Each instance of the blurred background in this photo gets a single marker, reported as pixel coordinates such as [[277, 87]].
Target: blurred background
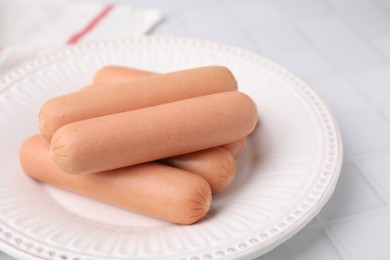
[[341, 48]]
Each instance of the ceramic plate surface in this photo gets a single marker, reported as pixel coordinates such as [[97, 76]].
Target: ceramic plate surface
[[285, 176]]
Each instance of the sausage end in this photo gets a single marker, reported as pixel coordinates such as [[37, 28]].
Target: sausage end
[[198, 202], [64, 150]]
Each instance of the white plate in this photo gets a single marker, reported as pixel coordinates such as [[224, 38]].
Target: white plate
[[285, 176]]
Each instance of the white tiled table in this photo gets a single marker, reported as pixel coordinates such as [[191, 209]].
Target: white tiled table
[[341, 48]]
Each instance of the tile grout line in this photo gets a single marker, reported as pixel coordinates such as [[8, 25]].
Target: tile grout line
[[361, 37], [241, 27], [373, 182], [337, 243]]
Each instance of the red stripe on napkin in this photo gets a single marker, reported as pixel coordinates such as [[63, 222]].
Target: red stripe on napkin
[[92, 24]]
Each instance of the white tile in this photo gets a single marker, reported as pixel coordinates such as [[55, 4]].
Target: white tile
[[278, 37], [170, 26], [386, 113], [353, 195], [350, 57], [364, 132], [3, 256], [254, 12], [233, 37], [378, 168], [307, 244], [385, 3], [161, 5], [329, 29], [338, 94], [182, 6], [383, 44], [366, 237], [314, 223], [300, 9], [348, 5], [369, 21], [211, 20], [304, 62], [374, 85]]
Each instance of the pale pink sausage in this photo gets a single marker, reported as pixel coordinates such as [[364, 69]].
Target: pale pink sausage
[[131, 95], [216, 165], [152, 189], [236, 147], [153, 133], [118, 74]]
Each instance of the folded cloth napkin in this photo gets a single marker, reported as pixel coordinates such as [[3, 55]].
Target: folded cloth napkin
[[31, 27]]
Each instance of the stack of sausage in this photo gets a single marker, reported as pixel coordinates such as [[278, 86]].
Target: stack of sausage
[[155, 144]]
